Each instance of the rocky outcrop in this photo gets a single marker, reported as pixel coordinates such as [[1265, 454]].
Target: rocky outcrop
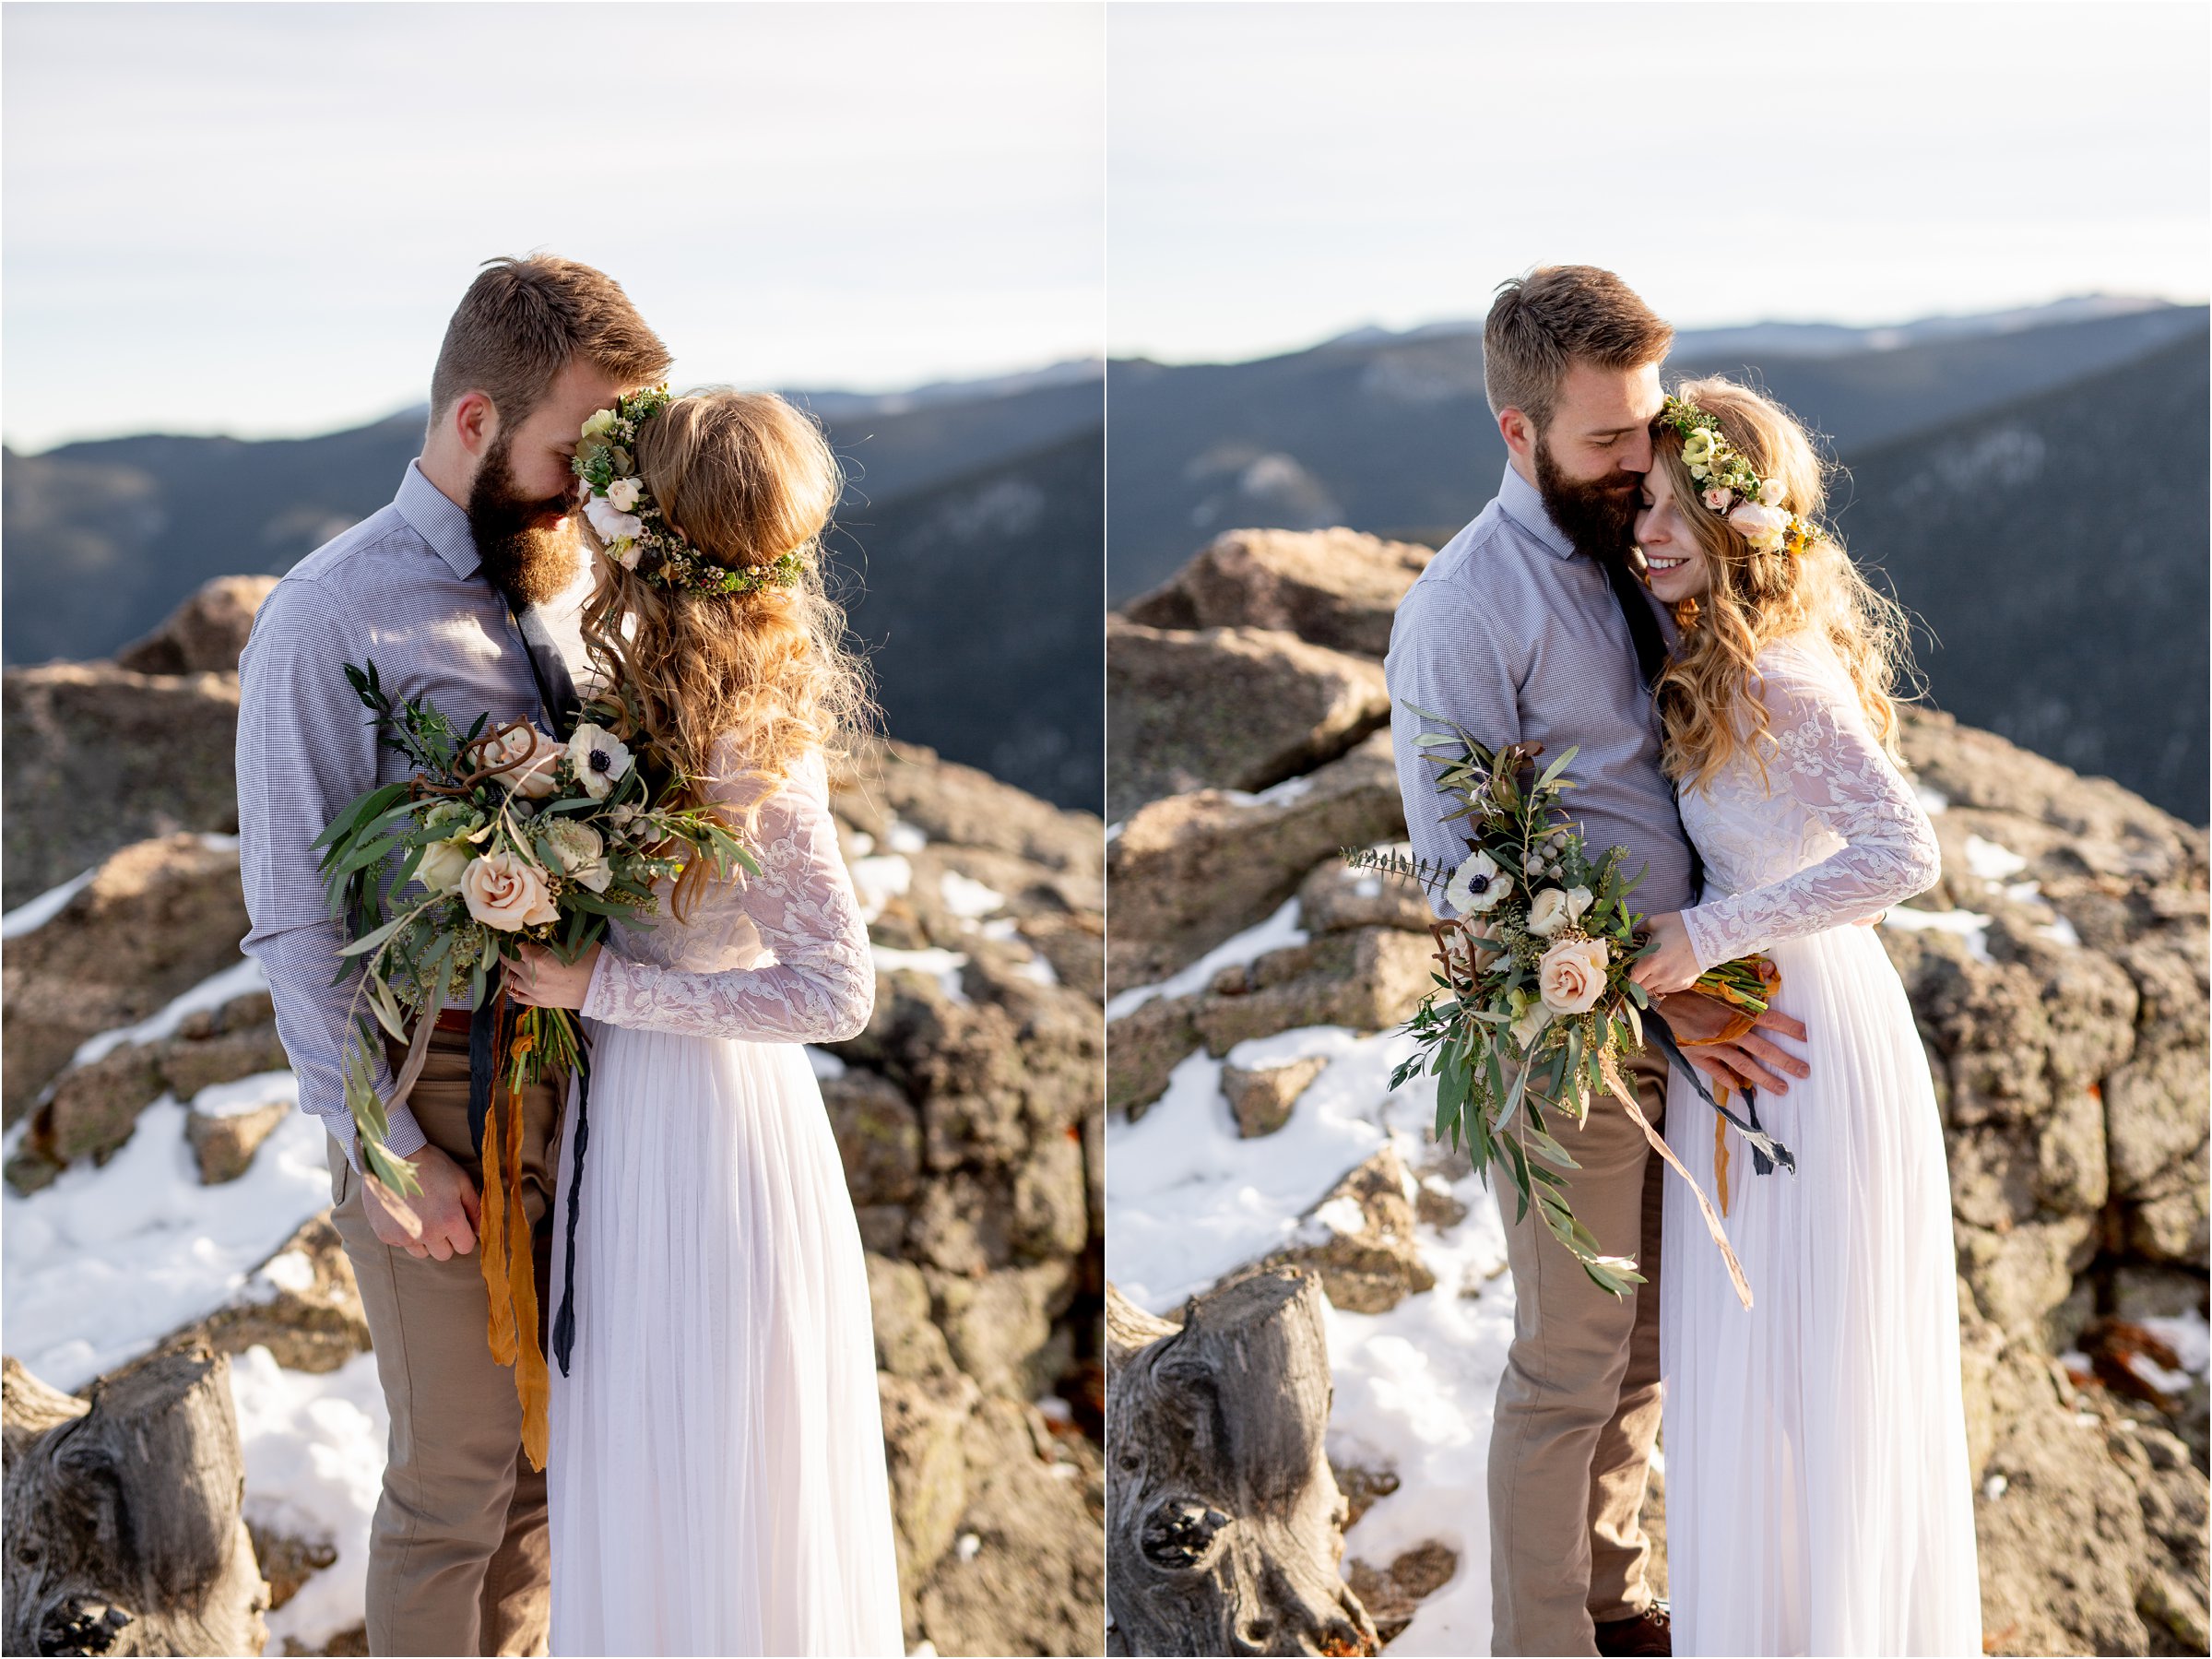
[[1338, 588], [205, 635], [968, 1114], [1229, 708], [2062, 998]]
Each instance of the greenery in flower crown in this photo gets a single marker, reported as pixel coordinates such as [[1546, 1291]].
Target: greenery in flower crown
[[1731, 486], [637, 534]]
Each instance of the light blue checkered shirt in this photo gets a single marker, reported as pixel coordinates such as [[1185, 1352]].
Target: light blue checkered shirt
[[1517, 637], [403, 587]]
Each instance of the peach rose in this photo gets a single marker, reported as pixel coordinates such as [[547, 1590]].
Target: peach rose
[[1571, 977], [507, 893], [524, 758]]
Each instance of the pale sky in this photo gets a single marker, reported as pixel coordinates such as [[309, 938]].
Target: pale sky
[[1284, 173], [257, 218]]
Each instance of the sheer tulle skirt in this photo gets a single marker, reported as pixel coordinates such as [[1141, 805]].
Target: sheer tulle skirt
[[1818, 1497], [716, 1470]]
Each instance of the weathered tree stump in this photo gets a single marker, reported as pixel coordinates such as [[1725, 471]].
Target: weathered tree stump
[[122, 1511], [1224, 1523]]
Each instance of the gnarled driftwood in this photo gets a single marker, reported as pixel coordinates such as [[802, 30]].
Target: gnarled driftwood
[[1224, 1523], [121, 1511]]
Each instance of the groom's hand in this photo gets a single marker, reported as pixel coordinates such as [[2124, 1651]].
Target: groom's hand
[[1751, 1061], [439, 1222]]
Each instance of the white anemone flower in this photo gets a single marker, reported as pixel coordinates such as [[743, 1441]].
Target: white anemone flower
[[1477, 884], [599, 757]]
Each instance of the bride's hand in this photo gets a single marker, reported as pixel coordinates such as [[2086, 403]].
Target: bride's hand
[[1673, 966], [543, 981]]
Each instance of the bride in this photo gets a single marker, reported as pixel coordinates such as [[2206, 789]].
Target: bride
[[1818, 1494], [716, 1471]]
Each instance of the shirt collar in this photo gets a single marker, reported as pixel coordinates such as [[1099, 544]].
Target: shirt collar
[[439, 521], [1524, 504]]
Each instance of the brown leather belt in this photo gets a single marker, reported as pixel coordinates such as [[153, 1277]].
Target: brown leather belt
[[453, 1019]]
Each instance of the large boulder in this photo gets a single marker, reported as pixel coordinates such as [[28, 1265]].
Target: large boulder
[[204, 635], [1231, 708], [1191, 871], [157, 918], [1337, 588]]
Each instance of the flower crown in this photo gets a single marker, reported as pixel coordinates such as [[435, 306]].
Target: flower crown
[[1752, 505], [638, 535]]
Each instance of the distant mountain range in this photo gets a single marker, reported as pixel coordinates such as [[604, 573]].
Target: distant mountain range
[[979, 491], [1391, 433]]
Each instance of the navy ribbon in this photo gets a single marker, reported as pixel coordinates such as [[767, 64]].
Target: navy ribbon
[[1766, 1150]]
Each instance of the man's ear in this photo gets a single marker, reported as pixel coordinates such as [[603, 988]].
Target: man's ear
[[475, 421], [1518, 431]]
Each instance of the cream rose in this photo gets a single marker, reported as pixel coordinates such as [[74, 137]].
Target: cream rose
[[600, 424], [1525, 1029], [612, 524], [523, 759], [623, 493], [1719, 499], [1578, 900], [507, 893], [1762, 527], [1771, 492], [1547, 912], [1571, 977], [443, 864], [580, 852]]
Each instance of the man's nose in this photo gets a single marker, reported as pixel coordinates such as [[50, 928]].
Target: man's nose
[[1639, 458]]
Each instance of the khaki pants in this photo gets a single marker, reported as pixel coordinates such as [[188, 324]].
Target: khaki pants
[[1577, 1409], [458, 1556]]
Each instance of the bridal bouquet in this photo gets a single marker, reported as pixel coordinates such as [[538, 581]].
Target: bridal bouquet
[[1533, 1007], [501, 835]]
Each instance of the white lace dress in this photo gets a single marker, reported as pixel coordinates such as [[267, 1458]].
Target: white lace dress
[[716, 1468], [1818, 1497]]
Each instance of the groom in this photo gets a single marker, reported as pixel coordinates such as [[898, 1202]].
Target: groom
[[472, 572], [1531, 626]]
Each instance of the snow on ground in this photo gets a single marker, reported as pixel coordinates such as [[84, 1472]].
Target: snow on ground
[[1413, 1387], [240, 978], [1279, 930], [935, 962], [107, 1259], [314, 1457], [1969, 925], [36, 913]]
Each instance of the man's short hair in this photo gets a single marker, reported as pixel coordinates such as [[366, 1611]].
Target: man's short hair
[[1554, 316], [520, 323]]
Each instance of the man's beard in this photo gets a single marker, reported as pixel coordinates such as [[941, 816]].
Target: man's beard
[[522, 554], [1597, 517]]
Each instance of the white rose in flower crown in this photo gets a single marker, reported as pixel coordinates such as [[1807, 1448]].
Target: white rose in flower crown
[[600, 424], [1771, 492], [599, 757], [524, 761], [1762, 527], [1571, 977], [507, 893], [580, 852], [443, 864], [611, 523], [1547, 912], [623, 493], [1477, 884]]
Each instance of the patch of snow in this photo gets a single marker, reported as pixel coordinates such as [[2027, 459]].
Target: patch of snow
[[1369, 885], [1055, 1408], [1931, 800], [1112, 833], [968, 898], [290, 1271], [240, 977], [246, 1095], [33, 914], [109, 1259], [1274, 795], [1341, 1217], [1969, 925], [941, 964], [219, 842], [879, 879], [1279, 930], [314, 1457], [968, 1546], [2188, 1336], [904, 837], [2060, 931], [2157, 1376], [826, 1065], [1002, 929], [1991, 861], [1993, 1487], [1038, 970]]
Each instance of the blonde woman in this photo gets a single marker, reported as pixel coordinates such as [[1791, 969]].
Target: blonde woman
[[1818, 1497], [716, 1467]]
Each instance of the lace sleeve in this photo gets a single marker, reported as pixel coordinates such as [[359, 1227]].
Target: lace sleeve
[[821, 986], [1829, 760]]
